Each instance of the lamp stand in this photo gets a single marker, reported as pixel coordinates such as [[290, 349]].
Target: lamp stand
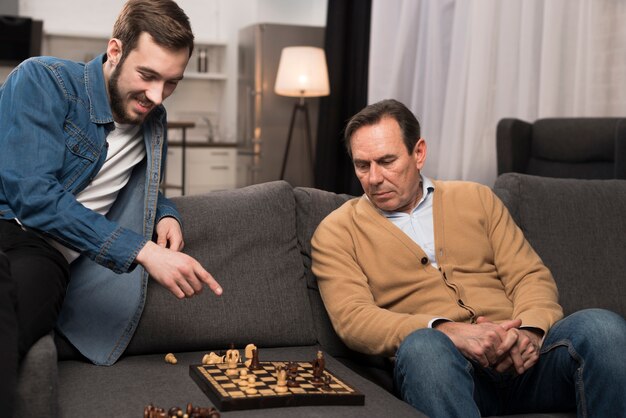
[[299, 106]]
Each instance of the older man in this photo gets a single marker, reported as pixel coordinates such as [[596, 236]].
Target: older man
[[438, 275]]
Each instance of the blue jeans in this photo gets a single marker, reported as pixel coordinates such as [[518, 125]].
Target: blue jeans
[[581, 367]]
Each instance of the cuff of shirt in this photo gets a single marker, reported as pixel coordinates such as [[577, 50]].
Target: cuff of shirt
[[434, 321]]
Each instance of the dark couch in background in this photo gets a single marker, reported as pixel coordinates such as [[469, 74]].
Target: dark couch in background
[[255, 241], [583, 148]]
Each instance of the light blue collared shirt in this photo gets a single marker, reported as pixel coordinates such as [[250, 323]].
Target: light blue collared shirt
[[419, 225]]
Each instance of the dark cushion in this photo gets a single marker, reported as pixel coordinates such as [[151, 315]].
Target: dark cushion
[[246, 238], [578, 228], [574, 139], [37, 386], [312, 206]]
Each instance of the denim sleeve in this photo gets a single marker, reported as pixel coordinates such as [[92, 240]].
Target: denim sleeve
[[165, 207], [34, 102]]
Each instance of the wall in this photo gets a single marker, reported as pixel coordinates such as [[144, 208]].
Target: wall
[[211, 20], [8, 7]]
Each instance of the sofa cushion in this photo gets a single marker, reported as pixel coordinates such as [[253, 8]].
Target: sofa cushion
[[312, 206], [578, 228], [37, 386], [246, 238]]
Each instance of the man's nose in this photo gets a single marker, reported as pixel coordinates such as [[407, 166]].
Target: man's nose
[[375, 174], [155, 93]]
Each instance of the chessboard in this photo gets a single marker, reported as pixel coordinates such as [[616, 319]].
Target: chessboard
[[226, 392]]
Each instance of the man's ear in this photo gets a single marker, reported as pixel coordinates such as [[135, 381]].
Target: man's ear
[[114, 51], [419, 152]]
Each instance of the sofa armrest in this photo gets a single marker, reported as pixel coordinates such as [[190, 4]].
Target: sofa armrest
[[37, 384], [513, 145], [620, 150]]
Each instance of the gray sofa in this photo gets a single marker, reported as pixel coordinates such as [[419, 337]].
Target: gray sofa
[[255, 241]]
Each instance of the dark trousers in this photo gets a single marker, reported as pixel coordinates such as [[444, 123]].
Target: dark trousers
[[33, 279]]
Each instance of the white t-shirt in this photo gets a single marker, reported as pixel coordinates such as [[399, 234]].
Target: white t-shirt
[[126, 150]]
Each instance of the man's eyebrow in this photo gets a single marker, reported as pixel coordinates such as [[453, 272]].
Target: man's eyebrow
[[379, 159], [150, 71]]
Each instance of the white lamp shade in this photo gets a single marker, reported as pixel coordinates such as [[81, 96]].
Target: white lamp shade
[[302, 72]]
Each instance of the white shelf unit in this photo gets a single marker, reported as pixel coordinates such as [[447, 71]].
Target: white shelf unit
[[206, 169]]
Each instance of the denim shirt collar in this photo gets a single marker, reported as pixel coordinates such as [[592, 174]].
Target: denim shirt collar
[[99, 108]]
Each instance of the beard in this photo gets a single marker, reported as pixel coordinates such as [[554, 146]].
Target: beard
[[117, 101]]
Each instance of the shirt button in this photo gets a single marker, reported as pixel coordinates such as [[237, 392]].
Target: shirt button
[[424, 260]]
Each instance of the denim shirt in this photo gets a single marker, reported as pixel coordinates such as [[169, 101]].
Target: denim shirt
[[54, 120]]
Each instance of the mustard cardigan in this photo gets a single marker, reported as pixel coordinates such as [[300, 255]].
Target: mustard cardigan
[[378, 285]]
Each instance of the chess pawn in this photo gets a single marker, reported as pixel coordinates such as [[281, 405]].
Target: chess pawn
[[281, 380], [251, 383], [243, 378]]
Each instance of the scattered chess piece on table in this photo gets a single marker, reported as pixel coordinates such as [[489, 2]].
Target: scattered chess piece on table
[[150, 411], [170, 358], [198, 412], [212, 358]]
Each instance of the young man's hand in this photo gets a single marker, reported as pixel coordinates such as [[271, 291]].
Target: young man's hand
[[169, 234], [177, 272]]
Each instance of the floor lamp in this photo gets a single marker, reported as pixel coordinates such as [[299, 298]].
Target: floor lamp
[[302, 72]]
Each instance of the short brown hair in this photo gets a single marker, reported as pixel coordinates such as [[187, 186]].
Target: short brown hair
[[374, 113], [163, 20]]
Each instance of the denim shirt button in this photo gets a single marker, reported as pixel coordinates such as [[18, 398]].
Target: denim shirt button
[[75, 148]]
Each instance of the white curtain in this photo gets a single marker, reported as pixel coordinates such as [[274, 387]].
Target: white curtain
[[462, 65]]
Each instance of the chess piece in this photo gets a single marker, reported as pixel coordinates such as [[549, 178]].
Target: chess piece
[[281, 380], [251, 385], [232, 358], [292, 374], [248, 354], [175, 412], [243, 377], [319, 364], [198, 412], [212, 358], [254, 363], [170, 358], [327, 380]]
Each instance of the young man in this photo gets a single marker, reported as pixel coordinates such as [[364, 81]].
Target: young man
[[438, 275], [83, 146]]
